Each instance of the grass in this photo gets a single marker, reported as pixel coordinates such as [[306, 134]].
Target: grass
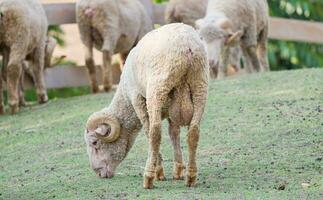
[[262, 138]]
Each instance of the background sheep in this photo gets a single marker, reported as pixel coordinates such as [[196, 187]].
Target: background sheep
[[232, 22], [27, 68], [111, 26], [167, 81], [23, 26], [188, 11]]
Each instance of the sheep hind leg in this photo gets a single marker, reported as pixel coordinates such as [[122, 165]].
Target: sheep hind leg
[[1, 94], [37, 61], [13, 74], [262, 51], [22, 101], [90, 65], [123, 58], [179, 167], [3, 74], [160, 175], [107, 71]]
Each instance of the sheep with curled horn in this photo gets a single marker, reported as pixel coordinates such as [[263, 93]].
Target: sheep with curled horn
[[165, 77]]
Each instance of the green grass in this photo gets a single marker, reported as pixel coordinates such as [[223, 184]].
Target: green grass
[[261, 138]]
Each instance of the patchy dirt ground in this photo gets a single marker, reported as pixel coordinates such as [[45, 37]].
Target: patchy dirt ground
[[262, 138]]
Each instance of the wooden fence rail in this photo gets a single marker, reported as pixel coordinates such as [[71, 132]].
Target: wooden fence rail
[[64, 13]]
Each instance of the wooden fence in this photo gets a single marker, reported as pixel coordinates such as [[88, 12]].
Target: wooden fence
[[64, 13]]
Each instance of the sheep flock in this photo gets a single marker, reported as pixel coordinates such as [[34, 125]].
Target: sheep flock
[[165, 71]]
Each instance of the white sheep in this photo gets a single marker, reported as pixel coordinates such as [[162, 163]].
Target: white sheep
[[111, 26], [165, 76], [232, 22], [187, 12], [27, 67], [23, 29]]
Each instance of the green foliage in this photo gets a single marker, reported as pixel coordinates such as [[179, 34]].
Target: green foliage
[[294, 55], [58, 33], [261, 138]]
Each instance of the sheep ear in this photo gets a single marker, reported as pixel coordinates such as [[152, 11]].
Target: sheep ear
[[234, 38], [224, 24], [198, 23], [103, 130]]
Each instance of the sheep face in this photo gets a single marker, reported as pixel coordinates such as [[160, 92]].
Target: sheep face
[[101, 156], [105, 148], [218, 36]]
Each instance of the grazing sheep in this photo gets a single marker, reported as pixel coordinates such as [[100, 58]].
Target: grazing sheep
[[232, 22], [27, 69], [111, 26], [165, 76], [23, 26], [187, 12]]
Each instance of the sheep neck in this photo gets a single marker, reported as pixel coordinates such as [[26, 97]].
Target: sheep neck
[[122, 108]]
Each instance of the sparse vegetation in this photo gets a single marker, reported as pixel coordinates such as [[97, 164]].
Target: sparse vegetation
[[261, 138]]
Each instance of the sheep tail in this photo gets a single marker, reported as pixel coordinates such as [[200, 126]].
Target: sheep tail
[[89, 12]]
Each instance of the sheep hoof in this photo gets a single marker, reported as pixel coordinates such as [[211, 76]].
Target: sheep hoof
[[42, 98], [95, 90], [160, 176], [178, 173], [148, 182], [190, 181], [107, 88], [14, 108]]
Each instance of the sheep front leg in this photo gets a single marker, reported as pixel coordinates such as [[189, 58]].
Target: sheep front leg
[[179, 167], [251, 52], [140, 107], [1, 95], [224, 62], [38, 69], [90, 65], [262, 50], [3, 74], [107, 71], [13, 74]]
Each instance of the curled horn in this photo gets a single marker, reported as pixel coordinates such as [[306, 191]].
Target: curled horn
[[105, 126]]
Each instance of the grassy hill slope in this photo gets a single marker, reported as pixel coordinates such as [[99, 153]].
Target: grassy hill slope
[[262, 138]]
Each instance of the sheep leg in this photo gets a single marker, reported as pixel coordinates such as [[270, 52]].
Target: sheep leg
[[140, 107], [90, 65], [155, 101], [198, 86], [107, 71], [160, 175], [3, 74], [224, 62], [13, 74], [37, 63], [246, 61], [1, 95], [22, 101], [262, 51], [123, 57], [252, 54], [179, 167]]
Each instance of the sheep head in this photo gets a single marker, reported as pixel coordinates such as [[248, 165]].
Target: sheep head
[[105, 148], [218, 36]]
